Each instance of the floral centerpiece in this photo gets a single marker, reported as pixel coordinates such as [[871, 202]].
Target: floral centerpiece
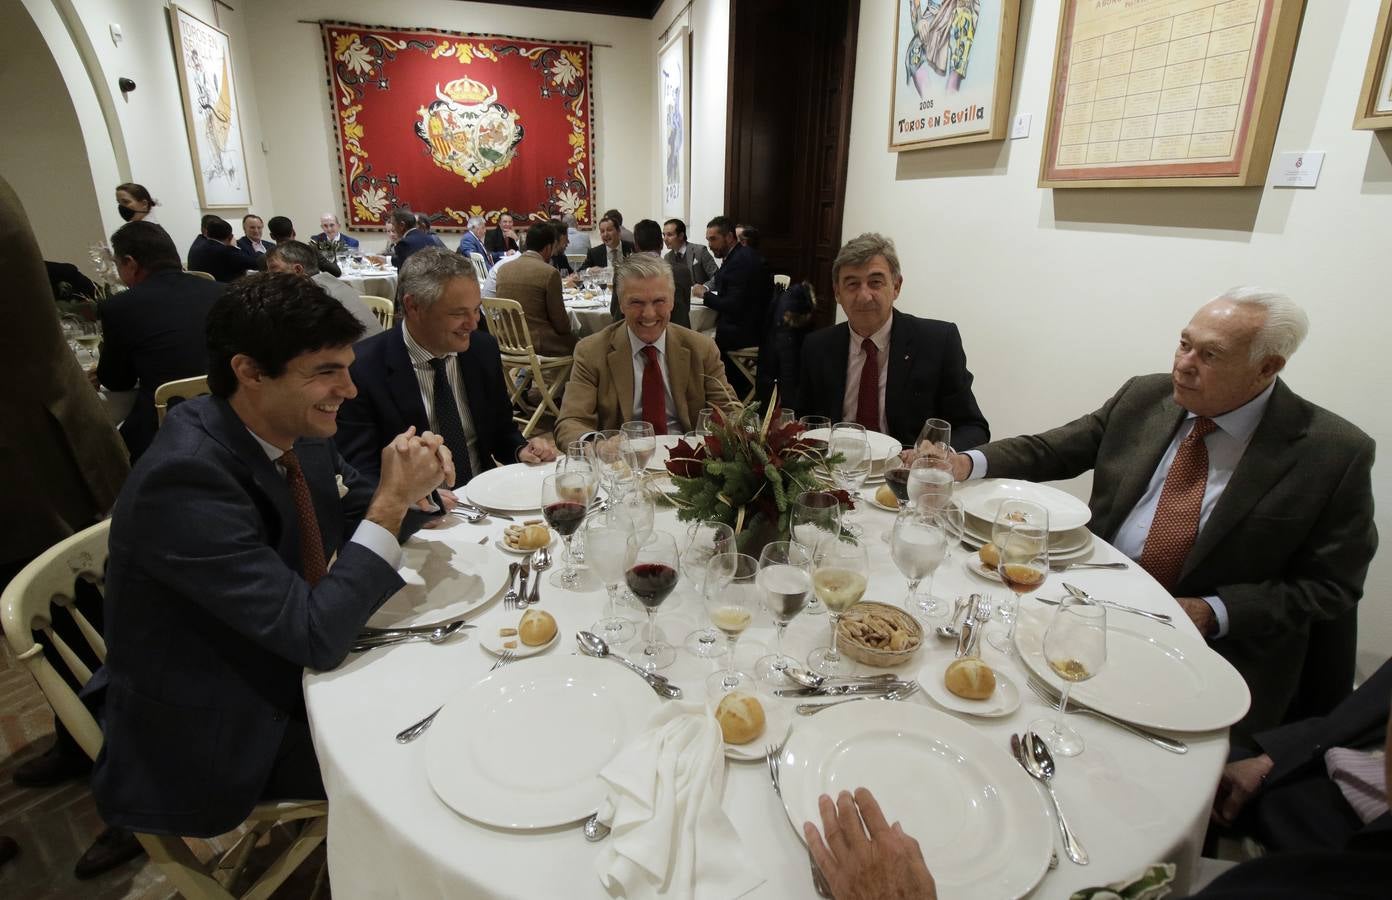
[[747, 473]]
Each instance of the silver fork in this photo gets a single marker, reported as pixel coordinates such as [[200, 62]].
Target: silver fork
[[772, 754], [510, 598], [1046, 693], [407, 735], [908, 690]]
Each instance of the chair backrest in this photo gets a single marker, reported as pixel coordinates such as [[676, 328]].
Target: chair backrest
[[200, 274], [172, 392], [480, 267], [27, 605], [508, 326], [782, 282], [382, 308]]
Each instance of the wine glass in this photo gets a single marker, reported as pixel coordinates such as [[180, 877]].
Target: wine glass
[[918, 544], [896, 478], [819, 424], [640, 441], [565, 500], [931, 477], [731, 596], [1021, 535], [848, 441], [635, 511], [785, 581], [954, 519], [815, 519], [935, 434], [785, 417], [703, 421], [840, 572], [1075, 646], [651, 574], [703, 541], [606, 546], [612, 458]]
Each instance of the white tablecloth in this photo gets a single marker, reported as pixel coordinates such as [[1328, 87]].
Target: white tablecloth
[[1131, 803], [377, 283]]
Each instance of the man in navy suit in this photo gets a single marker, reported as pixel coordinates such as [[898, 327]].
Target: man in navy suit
[[250, 241], [741, 292], [472, 241], [331, 233], [409, 238], [218, 591], [221, 258], [435, 370]]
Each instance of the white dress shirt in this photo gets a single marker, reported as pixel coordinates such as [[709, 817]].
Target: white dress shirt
[[425, 379], [490, 284], [1225, 445], [369, 534], [640, 364], [855, 364]]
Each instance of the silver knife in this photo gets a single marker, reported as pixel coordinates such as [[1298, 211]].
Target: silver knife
[[1084, 595], [373, 634], [526, 570], [835, 690]]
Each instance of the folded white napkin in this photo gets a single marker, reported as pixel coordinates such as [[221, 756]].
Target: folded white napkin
[[671, 838]]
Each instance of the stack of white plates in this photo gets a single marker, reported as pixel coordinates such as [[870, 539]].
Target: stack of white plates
[[1069, 538]]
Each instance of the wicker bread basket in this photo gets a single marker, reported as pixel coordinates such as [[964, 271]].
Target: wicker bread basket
[[880, 619]]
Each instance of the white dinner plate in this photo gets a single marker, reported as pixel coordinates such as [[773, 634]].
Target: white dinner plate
[[982, 499], [514, 488], [1070, 541], [869, 497], [1076, 554], [777, 715], [523, 746], [1003, 702], [665, 443], [491, 641], [445, 580], [883, 448], [1168, 680], [502, 545], [975, 813]]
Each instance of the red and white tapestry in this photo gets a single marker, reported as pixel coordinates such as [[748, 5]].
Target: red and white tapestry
[[455, 125]]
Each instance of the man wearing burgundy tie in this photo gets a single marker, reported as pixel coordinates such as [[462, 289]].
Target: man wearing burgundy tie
[[643, 367], [219, 590], [1252, 506], [886, 369]]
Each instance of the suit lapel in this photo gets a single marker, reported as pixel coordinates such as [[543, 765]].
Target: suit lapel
[[901, 352], [679, 371], [228, 429], [621, 370], [840, 353], [402, 383]]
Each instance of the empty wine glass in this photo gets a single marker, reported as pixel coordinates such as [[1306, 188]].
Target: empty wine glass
[[651, 574], [840, 573], [565, 500], [849, 443], [1020, 533], [785, 417], [703, 421], [641, 442], [935, 434], [703, 541], [785, 580], [613, 459], [931, 477], [816, 431], [606, 547], [635, 509], [1075, 647], [814, 519], [731, 596], [918, 545]]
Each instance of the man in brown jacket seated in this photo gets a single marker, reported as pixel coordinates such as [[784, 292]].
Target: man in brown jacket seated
[[535, 283], [643, 367]]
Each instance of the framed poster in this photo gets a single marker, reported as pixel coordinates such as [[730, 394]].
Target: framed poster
[[674, 98], [203, 57], [953, 61], [1375, 101], [1161, 93]]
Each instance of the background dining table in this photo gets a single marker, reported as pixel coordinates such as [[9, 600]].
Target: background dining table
[[1131, 803], [372, 281], [591, 314]]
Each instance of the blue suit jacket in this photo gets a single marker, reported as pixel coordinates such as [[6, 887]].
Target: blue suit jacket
[[741, 292], [389, 401], [209, 624], [410, 242], [348, 241], [471, 244], [247, 247]]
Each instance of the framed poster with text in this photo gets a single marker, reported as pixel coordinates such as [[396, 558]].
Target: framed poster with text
[[211, 113], [1162, 93], [674, 99], [1375, 101], [953, 61]]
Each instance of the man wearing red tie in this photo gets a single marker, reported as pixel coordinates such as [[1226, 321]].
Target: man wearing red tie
[[642, 367], [1252, 506]]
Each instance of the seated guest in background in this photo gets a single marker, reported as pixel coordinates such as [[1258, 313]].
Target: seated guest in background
[[331, 233], [616, 217], [647, 240], [781, 356], [220, 257], [152, 333], [533, 282], [1249, 504], [503, 239], [408, 237], [747, 235], [490, 282], [558, 253], [133, 202], [423, 223], [282, 229], [697, 258], [218, 593], [611, 248], [888, 370], [295, 258], [202, 236], [579, 241], [472, 241], [642, 368], [741, 292], [250, 241], [435, 371]]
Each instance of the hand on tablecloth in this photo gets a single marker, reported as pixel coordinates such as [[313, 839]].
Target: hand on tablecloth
[[1240, 783], [869, 860]]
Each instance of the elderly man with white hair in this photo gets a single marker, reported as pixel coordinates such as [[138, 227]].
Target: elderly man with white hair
[[331, 233], [1249, 504], [472, 241]]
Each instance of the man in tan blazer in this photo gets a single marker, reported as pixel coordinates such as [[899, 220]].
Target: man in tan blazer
[[532, 281], [630, 369]]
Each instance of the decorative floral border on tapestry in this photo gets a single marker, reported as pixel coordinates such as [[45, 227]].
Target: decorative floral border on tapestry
[[456, 125]]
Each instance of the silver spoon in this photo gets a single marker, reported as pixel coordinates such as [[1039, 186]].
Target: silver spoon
[[1043, 769], [541, 559], [808, 678], [595, 830], [592, 644]]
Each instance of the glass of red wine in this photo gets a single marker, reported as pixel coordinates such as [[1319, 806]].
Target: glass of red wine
[[897, 480], [565, 499], [651, 574]]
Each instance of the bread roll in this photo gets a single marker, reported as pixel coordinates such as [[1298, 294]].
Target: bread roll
[[990, 556], [741, 718], [536, 628], [885, 497], [970, 678]]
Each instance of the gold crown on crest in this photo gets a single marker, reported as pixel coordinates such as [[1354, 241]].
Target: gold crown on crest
[[468, 91]]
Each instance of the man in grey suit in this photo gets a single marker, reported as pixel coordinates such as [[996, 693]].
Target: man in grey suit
[[1251, 505], [697, 258]]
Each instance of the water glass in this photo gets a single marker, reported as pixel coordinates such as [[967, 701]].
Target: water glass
[[731, 596], [785, 581], [703, 541]]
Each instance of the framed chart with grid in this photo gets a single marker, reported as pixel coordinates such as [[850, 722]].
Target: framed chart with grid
[[1160, 93]]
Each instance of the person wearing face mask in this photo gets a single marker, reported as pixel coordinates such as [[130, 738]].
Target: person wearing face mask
[[134, 203]]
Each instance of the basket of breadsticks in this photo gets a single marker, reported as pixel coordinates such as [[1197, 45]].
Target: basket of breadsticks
[[879, 635]]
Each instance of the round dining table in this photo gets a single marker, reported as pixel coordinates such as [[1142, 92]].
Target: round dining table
[[1131, 803], [591, 314], [371, 281]]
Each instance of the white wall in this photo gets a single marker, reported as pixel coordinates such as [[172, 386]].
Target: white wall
[[1062, 294], [291, 80]]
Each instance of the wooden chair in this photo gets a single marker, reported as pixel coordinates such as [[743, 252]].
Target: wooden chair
[[172, 392], [522, 367], [200, 274], [480, 267], [382, 308], [27, 606], [746, 360], [782, 282]]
